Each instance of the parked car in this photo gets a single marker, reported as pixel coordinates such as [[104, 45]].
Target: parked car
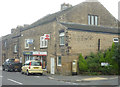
[[12, 65], [32, 67]]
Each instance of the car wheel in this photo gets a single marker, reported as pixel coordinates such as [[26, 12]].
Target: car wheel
[[13, 70], [19, 70], [8, 69], [22, 72], [41, 74], [27, 73]]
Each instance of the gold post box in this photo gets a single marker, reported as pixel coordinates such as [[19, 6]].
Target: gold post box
[[74, 67]]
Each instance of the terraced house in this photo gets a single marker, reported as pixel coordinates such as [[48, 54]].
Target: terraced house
[[58, 39]]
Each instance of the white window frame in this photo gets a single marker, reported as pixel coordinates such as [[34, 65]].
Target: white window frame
[[92, 19], [26, 42], [62, 37], [15, 48], [96, 20], [43, 42], [5, 44], [58, 61], [115, 41], [89, 20]]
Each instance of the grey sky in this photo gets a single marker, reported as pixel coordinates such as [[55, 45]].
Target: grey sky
[[20, 12]]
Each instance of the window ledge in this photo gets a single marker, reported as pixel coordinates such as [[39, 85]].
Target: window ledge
[[26, 48], [42, 47], [62, 44], [59, 65], [15, 52]]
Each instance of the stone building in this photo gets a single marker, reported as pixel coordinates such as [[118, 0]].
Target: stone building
[[58, 39]]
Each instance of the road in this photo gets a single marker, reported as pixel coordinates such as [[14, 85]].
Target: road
[[16, 78]]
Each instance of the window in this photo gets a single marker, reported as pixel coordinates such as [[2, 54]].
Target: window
[[43, 42], [96, 20], [116, 40], [62, 38], [59, 61], [92, 20], [27, 62], [15, 48], [98, 44], [5, 43], [89, 20], [26, 43]]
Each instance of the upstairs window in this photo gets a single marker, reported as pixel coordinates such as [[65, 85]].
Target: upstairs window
[[43, 42], [92, 20], [26, 43], [115, 40], [15, 48], [62, 38], [5, 44]]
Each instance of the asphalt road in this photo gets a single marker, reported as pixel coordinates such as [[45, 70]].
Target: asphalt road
[[16, 78]]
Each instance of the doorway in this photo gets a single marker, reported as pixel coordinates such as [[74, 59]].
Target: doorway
[[52, 66]]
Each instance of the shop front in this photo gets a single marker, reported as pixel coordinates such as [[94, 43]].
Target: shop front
[[36, 55]]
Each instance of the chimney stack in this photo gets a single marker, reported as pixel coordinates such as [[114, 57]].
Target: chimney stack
[[65, 6], [12, 30]]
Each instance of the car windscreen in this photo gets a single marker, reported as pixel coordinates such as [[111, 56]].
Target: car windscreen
[[11, 60], [35, 63]]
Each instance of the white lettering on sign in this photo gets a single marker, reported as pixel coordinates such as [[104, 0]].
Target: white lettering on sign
[[35, 52], [43, 53], [104, 64], [39, 53]]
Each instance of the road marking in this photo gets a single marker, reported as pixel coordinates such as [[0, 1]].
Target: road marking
[[15, 81], [37, 76], [51, 78], [74, 83], [68, 82]]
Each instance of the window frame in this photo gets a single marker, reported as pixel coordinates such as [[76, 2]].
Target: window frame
[[15, 48], [62, 38], [26, 43], [92, 20], [43, 42], [89, 19], [5, 44], [58, 61], [96, 18]]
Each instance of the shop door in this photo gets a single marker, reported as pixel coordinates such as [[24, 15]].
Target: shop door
[[52, 66]]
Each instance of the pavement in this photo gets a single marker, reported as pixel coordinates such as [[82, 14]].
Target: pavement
[[87, 80]]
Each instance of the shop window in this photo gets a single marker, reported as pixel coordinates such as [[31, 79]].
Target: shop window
[[43, 42], [15, 48], [26, 43], [59, 61], [62, 38], [115, 40]]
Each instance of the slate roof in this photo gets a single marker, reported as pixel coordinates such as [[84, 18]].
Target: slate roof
[[46, 19], [90, 28], [52, 17]]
